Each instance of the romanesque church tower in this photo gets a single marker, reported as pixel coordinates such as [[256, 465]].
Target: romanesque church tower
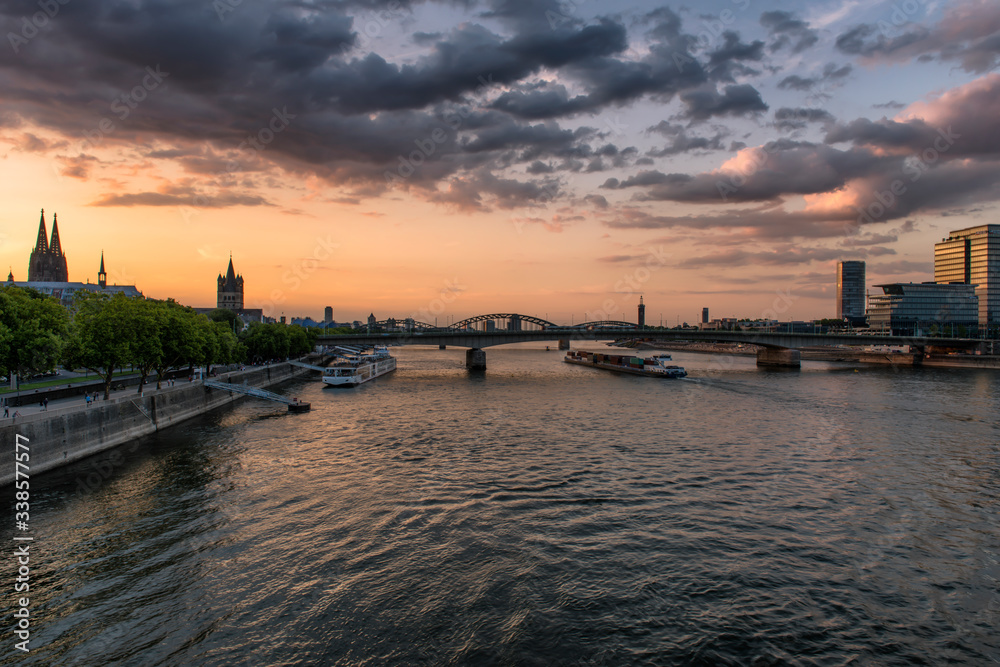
[[230, 289]]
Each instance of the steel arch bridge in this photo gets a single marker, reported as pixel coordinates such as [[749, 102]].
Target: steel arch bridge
[[605, 324], [402, 324], [466, 323]]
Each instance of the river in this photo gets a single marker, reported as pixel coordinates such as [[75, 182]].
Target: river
[[538, 514]]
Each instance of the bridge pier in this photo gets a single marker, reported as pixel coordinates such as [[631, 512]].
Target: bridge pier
[[779, 357], [564, 344], [475, 359]]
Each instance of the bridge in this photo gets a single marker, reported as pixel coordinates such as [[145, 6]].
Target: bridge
[[778, 348]]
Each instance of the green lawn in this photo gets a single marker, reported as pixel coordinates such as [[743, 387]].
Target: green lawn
[[90, 377]]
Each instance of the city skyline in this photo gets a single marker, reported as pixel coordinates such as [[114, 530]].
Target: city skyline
[[732, 165]]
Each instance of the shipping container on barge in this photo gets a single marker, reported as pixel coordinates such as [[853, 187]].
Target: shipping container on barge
[[654, 366]]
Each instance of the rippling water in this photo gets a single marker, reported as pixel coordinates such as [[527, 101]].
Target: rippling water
[[539, 514]]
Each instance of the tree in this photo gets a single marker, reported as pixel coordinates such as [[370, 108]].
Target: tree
[[266, 341], [102, 339], [33, 329], [228, 316], [180, 338], [147, 351]]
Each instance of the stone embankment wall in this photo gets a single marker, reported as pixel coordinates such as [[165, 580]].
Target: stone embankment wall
[[58, 437]]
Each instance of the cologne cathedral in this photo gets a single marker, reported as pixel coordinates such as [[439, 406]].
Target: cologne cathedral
[[48, 263]]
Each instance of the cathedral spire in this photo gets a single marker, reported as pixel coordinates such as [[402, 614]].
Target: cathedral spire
[[55, 247], [42, 244], [230, 272]]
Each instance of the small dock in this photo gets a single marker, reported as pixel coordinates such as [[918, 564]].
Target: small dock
[[294, 404]]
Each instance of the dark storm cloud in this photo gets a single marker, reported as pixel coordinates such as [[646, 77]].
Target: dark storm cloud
[[831, 74], [968, 32], [668, 68], [736, 100], [788, 119], [785, 29]]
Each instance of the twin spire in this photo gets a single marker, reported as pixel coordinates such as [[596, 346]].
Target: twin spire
[[53, 246]]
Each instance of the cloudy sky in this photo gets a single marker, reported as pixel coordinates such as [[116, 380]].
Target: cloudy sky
[[469, 156]]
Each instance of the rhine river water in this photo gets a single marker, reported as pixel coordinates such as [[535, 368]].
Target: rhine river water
[[538, 514]]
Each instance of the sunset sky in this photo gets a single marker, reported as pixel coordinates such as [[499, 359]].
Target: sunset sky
[[455, 158]]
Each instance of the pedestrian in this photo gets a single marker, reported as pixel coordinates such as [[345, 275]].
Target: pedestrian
[[88, 400], [6, 410], [46, 401]]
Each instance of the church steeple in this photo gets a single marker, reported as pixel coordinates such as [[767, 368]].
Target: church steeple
[[102, 277], [55, 247], [10, 276], [42, 244]]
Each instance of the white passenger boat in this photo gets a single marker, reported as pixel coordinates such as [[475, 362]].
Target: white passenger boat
[[350, 370]]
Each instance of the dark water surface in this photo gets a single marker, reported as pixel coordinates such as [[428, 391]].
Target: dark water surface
[[538, 514]]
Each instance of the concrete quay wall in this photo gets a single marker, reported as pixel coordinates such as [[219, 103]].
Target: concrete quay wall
[[59, 437]]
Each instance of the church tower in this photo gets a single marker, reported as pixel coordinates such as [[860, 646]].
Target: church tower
[[230, 289], [47, 262], [102, 276]]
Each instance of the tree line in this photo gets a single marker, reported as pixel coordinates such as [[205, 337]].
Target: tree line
[[106, 333]]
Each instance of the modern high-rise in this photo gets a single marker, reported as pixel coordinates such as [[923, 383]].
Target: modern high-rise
[[642, 313], [921, 309], [972, 257], [850, 290], [704, 315], [328, 314]]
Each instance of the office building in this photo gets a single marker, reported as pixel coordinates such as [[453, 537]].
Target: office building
[[850, 290], [922, 309], [704, 315], [328, 314], [972, 257]]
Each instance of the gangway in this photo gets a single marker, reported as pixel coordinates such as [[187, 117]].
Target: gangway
[[294, 404], [302, 364]]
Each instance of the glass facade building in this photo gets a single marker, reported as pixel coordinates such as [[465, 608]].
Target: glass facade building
[[972, 257], [921, 309], [850, 290]]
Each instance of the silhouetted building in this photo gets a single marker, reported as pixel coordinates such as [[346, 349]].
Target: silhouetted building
[[972, 257], [919, 309], [230, 294], [704, 315], [328, 314], [642, 313], [48, 274], [851, 290], [47, 262]]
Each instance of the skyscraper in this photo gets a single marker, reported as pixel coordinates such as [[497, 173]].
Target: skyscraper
[[972, 256], [642, 313], [850, 290], [328, 314]]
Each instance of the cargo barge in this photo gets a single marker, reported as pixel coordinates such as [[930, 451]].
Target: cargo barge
[[654, 366]]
